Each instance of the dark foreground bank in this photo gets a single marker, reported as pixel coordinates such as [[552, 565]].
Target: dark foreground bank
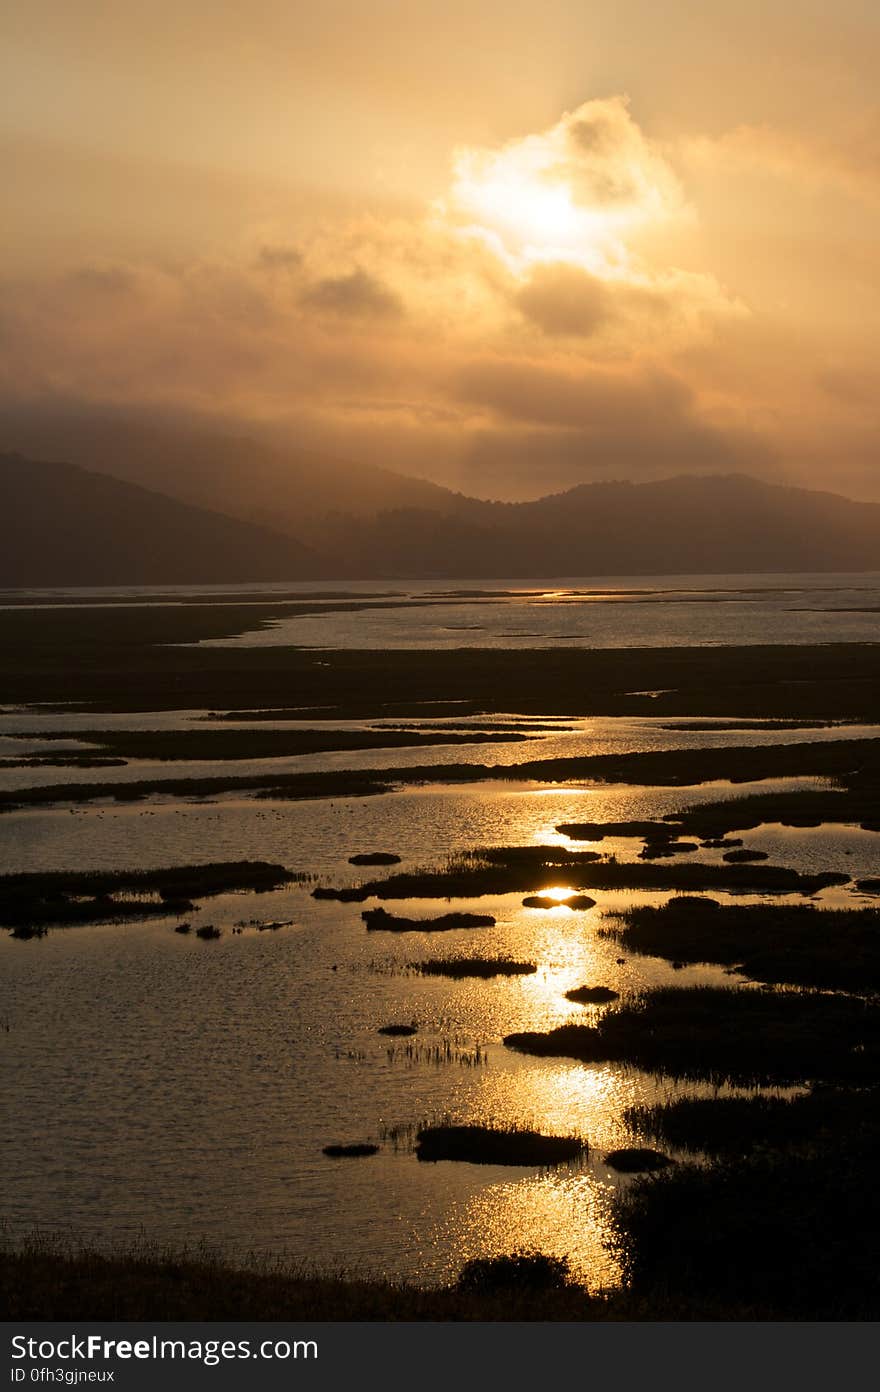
[[783, 1225], [88, 1285]]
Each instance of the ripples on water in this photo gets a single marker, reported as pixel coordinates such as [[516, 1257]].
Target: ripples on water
[[619, 612], [186, 1088]]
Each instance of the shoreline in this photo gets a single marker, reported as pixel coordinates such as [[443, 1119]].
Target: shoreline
[[45, 1282]]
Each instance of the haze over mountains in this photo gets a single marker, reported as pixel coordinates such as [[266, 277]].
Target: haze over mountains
[[221, 468], [159, 505], [67, 526], [683, 525]]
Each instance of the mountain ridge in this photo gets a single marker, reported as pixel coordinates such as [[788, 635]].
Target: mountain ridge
[[75, 526], [215, 466], [688, 524]]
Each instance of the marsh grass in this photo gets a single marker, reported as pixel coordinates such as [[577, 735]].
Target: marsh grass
[[201, 744], [725, 1034], [795, 944], [530, 1272], [271, 786], [511, 869], [62, 760], [153, 658], [792, 1231], [378, 920], [592, 995], [263, 925], [855, 764], [854, 800], [487, 1145], [637, 1160], [443, 1054], [731, 1126], [356, 1151], [49, 1279], [545, 901], [597, 831], [709, 726], [62, 897], [484, 967], [57, 1281]]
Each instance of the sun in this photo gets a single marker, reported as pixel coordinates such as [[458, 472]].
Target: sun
[[537, 214], [527, 209]]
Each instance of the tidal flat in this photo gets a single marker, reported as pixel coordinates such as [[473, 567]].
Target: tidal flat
[[629, 750]]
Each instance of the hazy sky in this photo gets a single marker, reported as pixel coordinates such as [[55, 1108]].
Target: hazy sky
[[507, 244]]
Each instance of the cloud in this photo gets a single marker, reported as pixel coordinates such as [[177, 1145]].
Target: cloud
[[849, 166], [520, 464], [565, 300], [278, 257], [610, 163], [640, 312], [857, 387], [107, 280], [358, 294], [588, 399], [574, 192], [567, 213], [522, 319]]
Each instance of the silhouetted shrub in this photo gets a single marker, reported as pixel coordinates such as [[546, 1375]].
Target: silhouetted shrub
[[637, 1160], [520, 1271], [350, 1152]]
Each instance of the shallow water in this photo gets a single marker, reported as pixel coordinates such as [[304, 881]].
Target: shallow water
[[578, 738], [186, 1088], [603, 611], [620, 612]]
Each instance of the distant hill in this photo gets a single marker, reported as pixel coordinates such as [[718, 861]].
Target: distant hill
[[63, 525], [243, 475], [690, 524], [72, 526]]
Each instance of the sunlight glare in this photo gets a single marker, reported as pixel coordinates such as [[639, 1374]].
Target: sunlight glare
[[529, 213]]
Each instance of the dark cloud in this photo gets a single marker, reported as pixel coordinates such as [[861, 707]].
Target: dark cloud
[[562, 299], [538, 394], [598, 132], [107, 280], [610, 162], [549, 428], [277, 257], [852, 388], [519, 464], [359, 295], [565, 301]]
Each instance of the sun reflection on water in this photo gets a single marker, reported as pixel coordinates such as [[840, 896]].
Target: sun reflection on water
[[562, 1214], [299, 1029], [561, 893], [566, 1212]]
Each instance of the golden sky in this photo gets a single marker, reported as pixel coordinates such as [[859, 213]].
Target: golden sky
[[511, 246]]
